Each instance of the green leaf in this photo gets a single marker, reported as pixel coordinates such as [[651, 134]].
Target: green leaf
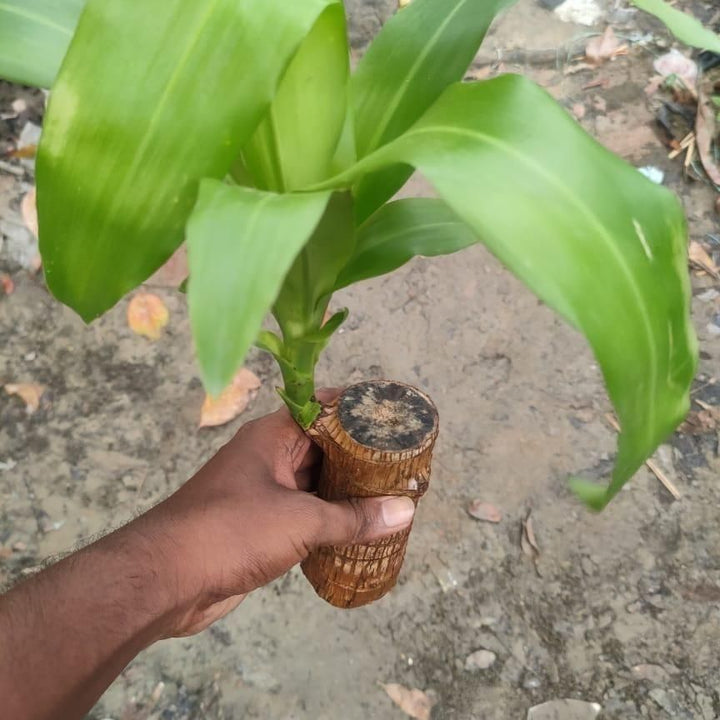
[[419, 52], [685, 27], [295, 144], [144, 107], [301, 306], [34, 37], [588, 233], [402, 230], [241, 244]]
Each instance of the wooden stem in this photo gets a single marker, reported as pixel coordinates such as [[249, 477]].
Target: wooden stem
[[377, 439]]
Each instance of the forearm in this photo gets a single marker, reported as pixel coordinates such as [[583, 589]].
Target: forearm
[[66, 634]]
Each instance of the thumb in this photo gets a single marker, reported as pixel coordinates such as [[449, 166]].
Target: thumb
[[362, 520]]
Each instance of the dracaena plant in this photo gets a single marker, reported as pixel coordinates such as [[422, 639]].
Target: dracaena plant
[[237, 125]]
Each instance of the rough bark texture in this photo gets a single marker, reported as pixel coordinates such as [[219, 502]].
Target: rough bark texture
[[377, 439]]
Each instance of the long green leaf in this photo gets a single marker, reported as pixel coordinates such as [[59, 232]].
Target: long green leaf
[[685, 27], [295, 144], [147, 103], [241, 244], [34, 37], [402, 230], [593, 238], [419, 52]]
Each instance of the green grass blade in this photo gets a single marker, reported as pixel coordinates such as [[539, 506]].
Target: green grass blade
[[148, 103], [34, 37], [241, 244], [402, 230], [588, 233], [685, 27]]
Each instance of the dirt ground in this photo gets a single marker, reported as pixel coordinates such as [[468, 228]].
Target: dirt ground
[[623, 608]]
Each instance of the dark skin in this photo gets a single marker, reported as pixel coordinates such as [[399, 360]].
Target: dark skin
[[242, 521]]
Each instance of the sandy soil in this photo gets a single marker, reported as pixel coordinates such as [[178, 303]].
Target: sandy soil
[[623, 608]]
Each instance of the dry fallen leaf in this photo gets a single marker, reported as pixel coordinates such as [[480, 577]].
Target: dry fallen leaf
[[30, 393], [528, 543], [147, 315], [484, 511], [232, 401], [675, 64], [604, 47], [701, 258], [28, 208], [414, 703], [26, 152], [7, 284]]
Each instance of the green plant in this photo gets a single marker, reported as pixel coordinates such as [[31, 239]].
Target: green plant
[[238, 125], [685, 27]]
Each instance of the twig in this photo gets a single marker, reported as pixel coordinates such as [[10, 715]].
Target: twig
[[686, 142], [651, 465]]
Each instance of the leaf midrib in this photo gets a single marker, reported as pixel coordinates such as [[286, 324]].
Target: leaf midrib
[[145, 143], [35, 17], [395, 103]]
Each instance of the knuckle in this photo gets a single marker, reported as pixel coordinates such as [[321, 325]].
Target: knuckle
[[363, 518]]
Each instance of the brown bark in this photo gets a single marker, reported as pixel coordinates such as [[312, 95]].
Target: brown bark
[[377, 439]]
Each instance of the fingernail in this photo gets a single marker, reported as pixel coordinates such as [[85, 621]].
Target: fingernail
[[397, 511]]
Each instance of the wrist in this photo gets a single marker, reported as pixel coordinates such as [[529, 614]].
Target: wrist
[[157, 570]]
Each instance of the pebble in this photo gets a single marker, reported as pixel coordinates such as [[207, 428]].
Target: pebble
[[655, 674], [564, 710], [480, 660]]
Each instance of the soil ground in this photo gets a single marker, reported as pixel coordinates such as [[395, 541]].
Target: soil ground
[[623, 608]]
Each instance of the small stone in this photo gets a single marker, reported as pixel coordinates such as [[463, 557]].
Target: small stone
[[19, 106], [131, 483], [19, 546], [655, 674], [564, 710], [708, 295], [480, 660], [668, 702]]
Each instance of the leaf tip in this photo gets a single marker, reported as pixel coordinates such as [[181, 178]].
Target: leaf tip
[[592, 495]]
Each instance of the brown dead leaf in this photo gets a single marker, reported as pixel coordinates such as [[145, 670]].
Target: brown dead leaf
[[7, 284], [604, 47], [703, 421], [30, 393], [232, 401], [700, 422], [414, 703], [28, 208], [147, 315], [674, 64], [25, 152], [484, 511], [701, 258], [528, 542], [705, 133]]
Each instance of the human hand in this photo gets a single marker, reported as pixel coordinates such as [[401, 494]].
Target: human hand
[[247, 517]]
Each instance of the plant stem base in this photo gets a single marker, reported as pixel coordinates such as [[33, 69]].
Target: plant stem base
[[377, 439]]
